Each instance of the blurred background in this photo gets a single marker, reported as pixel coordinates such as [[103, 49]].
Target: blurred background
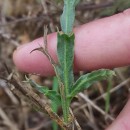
[[22, 21]]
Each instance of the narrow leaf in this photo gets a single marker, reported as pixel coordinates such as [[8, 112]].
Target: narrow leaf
[[68, 16], [87, 80], [51, 94], [65, 52]]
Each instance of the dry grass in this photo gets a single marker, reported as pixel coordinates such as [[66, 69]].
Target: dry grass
[[17, 20]]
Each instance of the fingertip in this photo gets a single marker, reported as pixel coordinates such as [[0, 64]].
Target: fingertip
[[32, 62], [93, 50], [127, 11], [122, 121]]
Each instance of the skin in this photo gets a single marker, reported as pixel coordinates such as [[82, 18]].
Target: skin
[[104, 43]]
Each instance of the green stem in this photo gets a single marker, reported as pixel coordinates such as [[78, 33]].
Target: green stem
[[54, 107], [65, 49], [65, 104]]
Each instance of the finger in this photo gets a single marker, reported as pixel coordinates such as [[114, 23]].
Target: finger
[[103, 43], [123, 120]]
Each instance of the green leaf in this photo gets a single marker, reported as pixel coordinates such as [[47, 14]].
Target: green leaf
[[87, 80], [51, 94], [65, 51], [68, 16]]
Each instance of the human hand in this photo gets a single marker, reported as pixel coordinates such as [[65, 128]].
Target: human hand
[[103, 43]]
